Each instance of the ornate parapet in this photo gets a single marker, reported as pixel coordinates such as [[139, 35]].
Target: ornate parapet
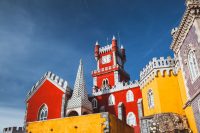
[[108, 69], [105, 49], [192, 11], [61, 83], [162, 65], [14, 130], [118, 87]]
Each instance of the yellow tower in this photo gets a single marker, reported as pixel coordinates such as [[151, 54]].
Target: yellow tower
[[162, 100]]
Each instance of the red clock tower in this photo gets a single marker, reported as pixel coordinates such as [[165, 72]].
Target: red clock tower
[[113, 91], [110, 65]]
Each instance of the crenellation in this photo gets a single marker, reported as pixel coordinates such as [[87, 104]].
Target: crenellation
[[105, 49], [156, 65], [118, 87], [14, 130], [52, 77]]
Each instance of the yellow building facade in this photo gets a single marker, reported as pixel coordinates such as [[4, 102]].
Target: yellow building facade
[[164, 95], [92, 123]]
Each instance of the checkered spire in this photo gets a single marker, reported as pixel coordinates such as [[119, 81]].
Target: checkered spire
[[79, 97], [79, 86]]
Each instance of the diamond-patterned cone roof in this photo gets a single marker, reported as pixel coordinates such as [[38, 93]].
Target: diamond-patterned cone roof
[[79, 86], [79, 97]]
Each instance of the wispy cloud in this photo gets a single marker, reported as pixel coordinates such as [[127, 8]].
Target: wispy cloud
[[11, 117]]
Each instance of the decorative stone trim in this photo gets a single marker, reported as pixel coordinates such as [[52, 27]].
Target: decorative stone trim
[[118, 87], [157, 65], [14, 130], [106, 123], [192, 11], [56, 80], [108, 69]]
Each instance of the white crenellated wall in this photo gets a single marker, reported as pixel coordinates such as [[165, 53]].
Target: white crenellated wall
[[61, 83], [157, 65], [14, 130], [105, 49], [118, 87]]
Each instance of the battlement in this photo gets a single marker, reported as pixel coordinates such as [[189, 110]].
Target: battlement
[[161, 65], [115, 67], [61, 83], [14, 130], [105, 49], [118, 87], [188, 2]]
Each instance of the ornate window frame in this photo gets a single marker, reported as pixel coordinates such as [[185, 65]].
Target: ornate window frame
[[150, 98], [111, 100], [193, 65], [129, 96], [131, 119], [94, 103], [43, 112]]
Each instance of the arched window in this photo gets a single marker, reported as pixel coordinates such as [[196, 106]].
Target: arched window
[[120, 110], [94, 103], [150, 97], [193, 65], [129, 96], [131, 119], [111, 100], [105, 83], [43, 112]]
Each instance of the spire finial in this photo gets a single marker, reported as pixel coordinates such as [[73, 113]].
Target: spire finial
[[81, 62], [97, 43], [113, 38], [122, 47]]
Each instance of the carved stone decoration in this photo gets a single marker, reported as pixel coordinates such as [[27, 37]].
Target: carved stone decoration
[[169, 123]]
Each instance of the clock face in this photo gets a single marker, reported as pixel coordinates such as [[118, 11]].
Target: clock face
[[106, 59]]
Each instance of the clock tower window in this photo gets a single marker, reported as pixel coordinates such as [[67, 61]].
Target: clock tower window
[[105, 83]]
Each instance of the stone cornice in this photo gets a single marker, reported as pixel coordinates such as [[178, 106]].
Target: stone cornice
[[120, 86], [192, 11]]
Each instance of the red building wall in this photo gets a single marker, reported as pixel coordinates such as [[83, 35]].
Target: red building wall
[[109, 76], [47, 94], [120, 96]]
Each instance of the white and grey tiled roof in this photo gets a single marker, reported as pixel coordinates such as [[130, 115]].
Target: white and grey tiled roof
[[80, 96]]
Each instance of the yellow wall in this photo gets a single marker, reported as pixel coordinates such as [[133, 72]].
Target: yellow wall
[[188, 109], [167, 97], [93, 123]]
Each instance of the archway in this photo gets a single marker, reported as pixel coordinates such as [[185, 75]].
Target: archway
[[72, 113]]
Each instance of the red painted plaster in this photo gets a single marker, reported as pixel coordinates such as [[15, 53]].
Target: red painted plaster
[[47, 94]]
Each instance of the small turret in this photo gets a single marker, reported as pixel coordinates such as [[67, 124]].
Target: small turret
[[96, 51], [173, 32], [114, 44], [123, 53]]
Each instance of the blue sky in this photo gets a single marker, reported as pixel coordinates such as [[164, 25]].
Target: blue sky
[[37, 36]]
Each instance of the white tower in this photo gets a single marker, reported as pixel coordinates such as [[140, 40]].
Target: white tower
[[79, 104]]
